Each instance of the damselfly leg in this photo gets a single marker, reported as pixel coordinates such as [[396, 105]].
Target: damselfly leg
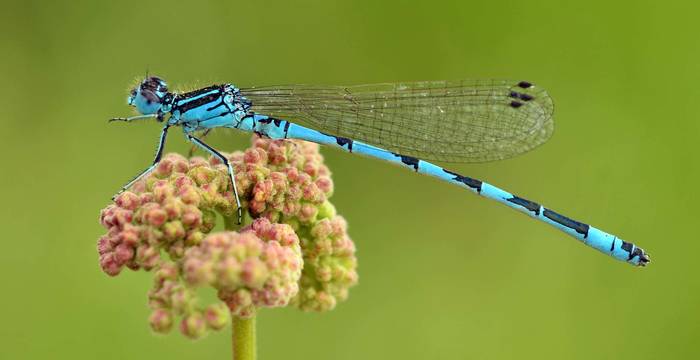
[[194, 147], [225, 161], [159, 155]]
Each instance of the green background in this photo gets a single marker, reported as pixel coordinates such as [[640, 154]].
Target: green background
[[443, 274]]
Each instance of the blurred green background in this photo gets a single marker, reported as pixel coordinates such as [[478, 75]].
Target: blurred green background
[[443, 273]]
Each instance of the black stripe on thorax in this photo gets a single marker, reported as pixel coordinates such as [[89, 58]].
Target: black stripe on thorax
[[193, 104], [201, 91]]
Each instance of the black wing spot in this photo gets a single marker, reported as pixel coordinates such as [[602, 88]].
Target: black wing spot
[[526, 97], [516, 104], [525, 84], [517, 95]]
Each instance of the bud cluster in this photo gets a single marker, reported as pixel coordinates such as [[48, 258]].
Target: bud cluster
[[295, 250]]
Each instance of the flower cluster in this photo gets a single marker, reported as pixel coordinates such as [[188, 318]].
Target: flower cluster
[[329, 265], [285, 181], [169, 297], [292, 185], [260, 267], [296, 249], [171, 217]]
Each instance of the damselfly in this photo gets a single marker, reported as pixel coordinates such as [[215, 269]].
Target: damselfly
[[403, 123]]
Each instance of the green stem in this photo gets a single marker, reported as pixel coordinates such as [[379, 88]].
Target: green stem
[[243, 330], [243, 338]]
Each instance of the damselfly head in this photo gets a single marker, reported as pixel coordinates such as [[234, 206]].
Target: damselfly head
[[148, 96]]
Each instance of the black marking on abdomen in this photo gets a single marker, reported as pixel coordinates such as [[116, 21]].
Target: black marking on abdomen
[[633, 251], [629, 247], [472, 183], [286, 129], [525, 84], [278, 122], [529, 205], [408, 160], [341, 141], [345, 141], [580, 228]]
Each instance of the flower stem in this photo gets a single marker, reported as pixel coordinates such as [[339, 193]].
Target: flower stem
[[243, 338], [242, 330]]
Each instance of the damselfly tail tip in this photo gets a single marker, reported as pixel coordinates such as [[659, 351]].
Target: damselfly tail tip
[[644, 259]]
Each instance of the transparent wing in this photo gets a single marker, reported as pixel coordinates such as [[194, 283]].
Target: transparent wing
[[452, 121]]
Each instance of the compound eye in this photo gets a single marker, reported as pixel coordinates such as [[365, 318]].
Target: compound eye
[[150, 96]]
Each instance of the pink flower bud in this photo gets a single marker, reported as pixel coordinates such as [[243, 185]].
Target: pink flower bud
[[123, 253], [129, 235], [173, 230], [198, 161], [156, 216], [109, 265], [192, 217], [325, 184], [173, 209], [253, 273], [167, 271], [128, 200], [193, 325], [161, 321], [217, 316]]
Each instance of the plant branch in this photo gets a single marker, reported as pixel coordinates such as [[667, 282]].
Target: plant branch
[[243, 337], [242, 330]]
